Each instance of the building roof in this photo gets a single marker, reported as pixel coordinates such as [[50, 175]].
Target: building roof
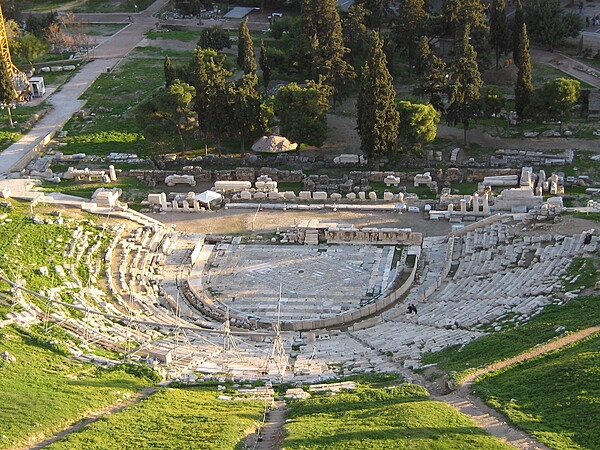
[[238, 12]]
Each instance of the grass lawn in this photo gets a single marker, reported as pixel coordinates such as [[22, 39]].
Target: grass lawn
[[393, 418], [555, 397], [113, 98], [42, 392], [171, 419]]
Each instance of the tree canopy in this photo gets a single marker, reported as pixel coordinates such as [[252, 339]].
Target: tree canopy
[[301, 112], [377, 116], [214, 37], [418, 124], [548, 23]]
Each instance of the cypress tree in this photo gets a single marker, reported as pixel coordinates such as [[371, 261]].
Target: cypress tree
[[524, 85], [465, 85], [245, 58], [518, 22], [434, 76], [322, 46], [246, 109], [409, 27], [199, 79], [170, 73], [498, 29], [264, 63], [378, 119]]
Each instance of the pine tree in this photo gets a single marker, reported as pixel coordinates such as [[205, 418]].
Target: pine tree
[[246, 109], [498, 29], [7, 89], [265, 65], [170, 73], [524, 86], [518, 22], [322, 46], [464, 86], [434, 75], [409, 26], [464, 14], [199, 79], [378, 119], [245, 58], [549, 24]]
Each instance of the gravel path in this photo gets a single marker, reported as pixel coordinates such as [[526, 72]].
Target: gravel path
[[491, 420]]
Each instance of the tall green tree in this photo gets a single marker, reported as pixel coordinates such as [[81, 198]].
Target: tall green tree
[[246, 104], [168, 116], [418, 124], [378, 9], [265, 65], [518, 21], [169, 70], [549, 24], [524, 85], [409, 25], [499, 31], [213, 98], [301, 112], [322, 42], [463, 14], [464, 88], [8, 94], [354, 28], [434, 76], [377, 116], [245, 58]]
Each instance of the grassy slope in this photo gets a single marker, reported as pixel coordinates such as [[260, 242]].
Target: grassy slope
[[176, 419], [397, 418], [42, 391], [555, 397]]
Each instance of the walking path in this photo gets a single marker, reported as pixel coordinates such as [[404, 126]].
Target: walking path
[[272, 432], [65, 102], [94, 416], [490, 419]]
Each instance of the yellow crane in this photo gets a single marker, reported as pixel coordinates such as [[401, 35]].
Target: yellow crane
[[19, 78]]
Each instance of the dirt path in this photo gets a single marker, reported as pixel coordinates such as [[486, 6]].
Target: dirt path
[[94, 416], [491, 420], [271, 435]]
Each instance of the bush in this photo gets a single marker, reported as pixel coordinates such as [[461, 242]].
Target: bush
[[215, 38]]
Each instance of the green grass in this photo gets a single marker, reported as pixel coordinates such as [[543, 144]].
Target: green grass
[[113, 98], [396, 418], [42, 392], [100, 6], [555, 397], [26, 246], [177, 419], [184, 36], [575, 315]]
